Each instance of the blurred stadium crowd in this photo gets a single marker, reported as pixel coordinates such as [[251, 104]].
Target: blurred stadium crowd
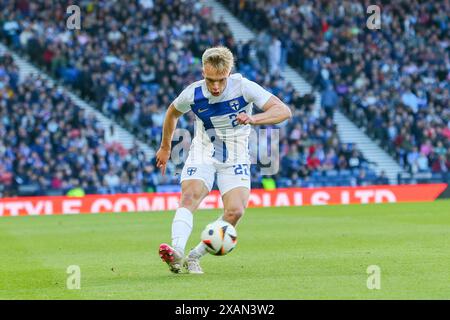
[[48, 144], [131, 59], [394, 83]]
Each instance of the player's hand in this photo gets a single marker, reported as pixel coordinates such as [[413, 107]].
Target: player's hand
[[244, 118], [162, 156]]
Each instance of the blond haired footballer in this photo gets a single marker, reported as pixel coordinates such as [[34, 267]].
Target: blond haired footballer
[[222, 103]]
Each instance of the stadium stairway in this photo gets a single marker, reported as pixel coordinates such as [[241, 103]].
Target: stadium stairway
[[242, 33], [347, 131], [117, 134]]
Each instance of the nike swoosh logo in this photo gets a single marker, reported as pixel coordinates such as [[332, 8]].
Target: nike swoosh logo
[[202, 110]]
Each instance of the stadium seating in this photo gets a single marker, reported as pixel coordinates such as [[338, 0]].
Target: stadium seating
[[393, 82], [132, 68], [48, 145]]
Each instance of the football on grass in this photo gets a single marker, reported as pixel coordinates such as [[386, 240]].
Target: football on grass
[[220, 237]]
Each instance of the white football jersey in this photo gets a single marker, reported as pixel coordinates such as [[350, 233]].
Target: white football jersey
[[218, 136]]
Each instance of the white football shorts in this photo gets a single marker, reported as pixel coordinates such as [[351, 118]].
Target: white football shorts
[[229, 176]]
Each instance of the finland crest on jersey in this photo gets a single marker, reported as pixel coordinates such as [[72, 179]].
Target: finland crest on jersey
[[234, 105], [191, 170], [218, 136]]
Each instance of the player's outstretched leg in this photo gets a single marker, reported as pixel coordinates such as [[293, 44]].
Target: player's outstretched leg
[[192, 262], [235, 202]]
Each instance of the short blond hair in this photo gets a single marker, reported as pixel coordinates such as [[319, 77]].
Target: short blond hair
[[220, 58]]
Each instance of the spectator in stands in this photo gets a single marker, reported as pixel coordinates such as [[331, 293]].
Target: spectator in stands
[[440, 165], [382, 179], [422, 163], [274, 56]]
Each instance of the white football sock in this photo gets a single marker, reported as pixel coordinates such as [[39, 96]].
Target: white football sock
[[199, 251], [181, 228]]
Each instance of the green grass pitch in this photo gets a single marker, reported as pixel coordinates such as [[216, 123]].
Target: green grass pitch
[[282, 253]]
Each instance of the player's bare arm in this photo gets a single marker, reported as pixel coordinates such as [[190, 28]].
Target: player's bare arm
[[275, 111], [170, 123]]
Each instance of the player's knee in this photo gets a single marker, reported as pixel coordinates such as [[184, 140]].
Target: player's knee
[[233, 214], [190, 197]]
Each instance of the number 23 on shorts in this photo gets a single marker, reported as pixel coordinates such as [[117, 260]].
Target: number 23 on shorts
[[241, 169]]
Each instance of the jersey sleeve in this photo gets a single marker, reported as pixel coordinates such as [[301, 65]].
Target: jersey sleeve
[[253, 92], [183, 102]]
